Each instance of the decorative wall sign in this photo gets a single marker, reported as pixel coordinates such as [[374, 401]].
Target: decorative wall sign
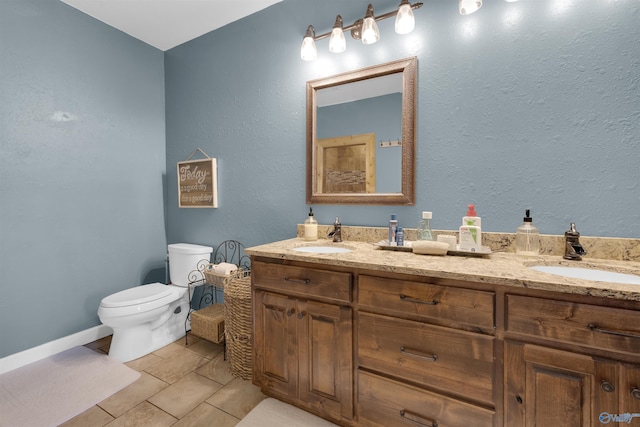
[[198, 183]]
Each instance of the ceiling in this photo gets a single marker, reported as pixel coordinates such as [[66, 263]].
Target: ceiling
[[165, 24]]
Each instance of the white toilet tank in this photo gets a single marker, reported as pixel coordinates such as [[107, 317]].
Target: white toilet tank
[[184, 259]]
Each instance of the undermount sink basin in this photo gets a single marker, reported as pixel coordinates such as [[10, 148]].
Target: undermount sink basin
[[322, 249], [589, 274]]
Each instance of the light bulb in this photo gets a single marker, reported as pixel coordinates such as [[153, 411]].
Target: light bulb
[[467, 7], [405, 22], [337, 42], [370, 33], [308, 50]]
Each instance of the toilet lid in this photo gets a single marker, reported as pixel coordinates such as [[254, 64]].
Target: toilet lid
[[138, 295]]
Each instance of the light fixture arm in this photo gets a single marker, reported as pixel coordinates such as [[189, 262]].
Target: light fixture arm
[[357, 25]]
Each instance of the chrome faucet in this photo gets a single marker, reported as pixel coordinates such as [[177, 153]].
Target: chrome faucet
[[573, 250], [337, 231]]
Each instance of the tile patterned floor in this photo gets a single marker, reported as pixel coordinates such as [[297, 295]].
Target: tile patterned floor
[[180, 385]]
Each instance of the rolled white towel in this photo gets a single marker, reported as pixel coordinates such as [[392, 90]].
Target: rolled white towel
[[428, 247], [224, 269]]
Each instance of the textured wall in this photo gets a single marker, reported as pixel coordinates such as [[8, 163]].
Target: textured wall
[[533, 104], [521, 105], [82, 164]]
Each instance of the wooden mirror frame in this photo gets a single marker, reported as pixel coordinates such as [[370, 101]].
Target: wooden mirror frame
[[407, 195]]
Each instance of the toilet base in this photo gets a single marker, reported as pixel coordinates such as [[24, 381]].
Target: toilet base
[[132, 342]]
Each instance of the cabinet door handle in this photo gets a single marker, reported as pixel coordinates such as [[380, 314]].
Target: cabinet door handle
[[415, 418], [301, 315], [293, 279], [635, 393], [430, 357], [290, 312], [595, 328], [403, 297], [607, 386]]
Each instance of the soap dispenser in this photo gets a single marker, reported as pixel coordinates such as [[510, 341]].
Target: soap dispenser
[[424, 227], [470, 233], [311, 227], [527, 237]]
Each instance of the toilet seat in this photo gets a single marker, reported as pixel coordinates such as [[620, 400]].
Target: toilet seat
[[140, 295]]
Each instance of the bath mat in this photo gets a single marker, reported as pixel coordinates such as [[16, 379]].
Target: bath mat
[[273, 413], [53, 390]]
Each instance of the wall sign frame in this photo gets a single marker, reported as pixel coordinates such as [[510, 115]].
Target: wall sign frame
[[198, 182]]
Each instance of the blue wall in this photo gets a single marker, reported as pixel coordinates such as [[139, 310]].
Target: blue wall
[[521, 105], [82, 165]]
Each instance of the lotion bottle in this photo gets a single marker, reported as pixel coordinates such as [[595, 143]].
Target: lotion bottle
[[527, 237], [470, 231], [311, 227]]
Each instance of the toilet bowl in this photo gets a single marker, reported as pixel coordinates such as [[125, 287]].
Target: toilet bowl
[[147, 317]]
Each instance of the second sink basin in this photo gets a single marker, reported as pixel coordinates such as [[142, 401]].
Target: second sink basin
[[589, 274], [322, 249]]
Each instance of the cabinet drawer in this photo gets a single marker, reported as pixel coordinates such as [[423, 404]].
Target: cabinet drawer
[[463, 306], [605, 328], [326, 284], [384, 403], [446, 359]]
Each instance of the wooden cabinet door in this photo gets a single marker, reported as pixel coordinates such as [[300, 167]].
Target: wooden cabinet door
[[275, 343], [547, 387], [630, 392], [325, 357]]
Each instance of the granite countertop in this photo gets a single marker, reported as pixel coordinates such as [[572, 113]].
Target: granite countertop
[[499, 268]]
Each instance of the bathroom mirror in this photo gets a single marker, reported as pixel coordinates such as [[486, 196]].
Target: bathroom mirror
[[361, 136]]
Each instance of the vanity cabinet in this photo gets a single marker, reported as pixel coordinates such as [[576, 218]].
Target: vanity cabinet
[[303, 341], [376, 348], [570, 365]]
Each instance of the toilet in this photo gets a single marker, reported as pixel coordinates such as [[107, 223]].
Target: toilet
[[147, 317]]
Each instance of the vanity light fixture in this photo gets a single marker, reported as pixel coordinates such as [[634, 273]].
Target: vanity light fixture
[[337, 42], [365, 29], [370, 33], [308, 50], [405, 21], [467, 7]]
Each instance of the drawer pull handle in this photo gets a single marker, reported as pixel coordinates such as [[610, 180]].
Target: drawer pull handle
[[303, 281], [403, 297], [595, 328], [607, 387], [635, 393], [415, 418], [301, 315], [431, 357], [290, 312]]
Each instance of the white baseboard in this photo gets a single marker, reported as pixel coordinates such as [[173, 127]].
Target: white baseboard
[[42, 351]]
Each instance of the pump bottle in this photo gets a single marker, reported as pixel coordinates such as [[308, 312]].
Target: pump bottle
[[311, 227], [470, 232], [527, 237], [424, 227]]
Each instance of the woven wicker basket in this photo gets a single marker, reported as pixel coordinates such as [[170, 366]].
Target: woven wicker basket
[[215, 280], [208, 323], [238, 324]]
